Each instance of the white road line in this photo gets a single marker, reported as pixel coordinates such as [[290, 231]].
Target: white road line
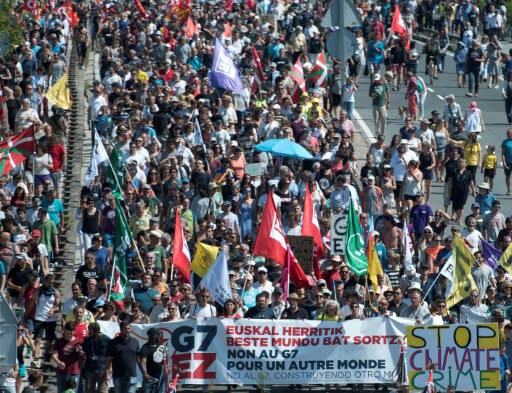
[[366, 130], [430, 90], [440, 97]]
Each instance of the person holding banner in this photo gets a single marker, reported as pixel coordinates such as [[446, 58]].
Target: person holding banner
[[151, 371], [417, 310], [202, 309]]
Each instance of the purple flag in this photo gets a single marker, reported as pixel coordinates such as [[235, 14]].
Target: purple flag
[[491, 254], [224, 73]]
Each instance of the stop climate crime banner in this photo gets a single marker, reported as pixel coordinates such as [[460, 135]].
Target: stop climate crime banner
[[462, 357], [271, 352]]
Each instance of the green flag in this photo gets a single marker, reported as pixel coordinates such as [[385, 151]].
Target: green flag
[[354, 244], [114, 172], [122, 242]]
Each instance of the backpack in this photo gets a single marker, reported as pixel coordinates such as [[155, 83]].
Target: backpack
[[420, 87]]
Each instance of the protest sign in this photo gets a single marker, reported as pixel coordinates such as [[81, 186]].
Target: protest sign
[[254, 169], [276, 352], [302, 247], [464, 357], [338, 232]]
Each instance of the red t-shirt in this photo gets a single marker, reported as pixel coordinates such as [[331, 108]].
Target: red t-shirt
[[68, 355], [57, 153], [81, 331]]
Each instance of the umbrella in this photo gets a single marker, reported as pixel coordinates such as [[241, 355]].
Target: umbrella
[[284, 148]]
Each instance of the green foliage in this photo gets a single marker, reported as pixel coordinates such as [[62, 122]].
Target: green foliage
[[11, 26]]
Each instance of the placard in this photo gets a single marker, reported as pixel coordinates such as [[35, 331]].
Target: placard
[[303, 247], [462, 357], [254, 169], [338, 232]]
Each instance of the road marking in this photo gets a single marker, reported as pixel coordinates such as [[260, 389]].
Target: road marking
[[366, 130], [440, 97], [430, 90]]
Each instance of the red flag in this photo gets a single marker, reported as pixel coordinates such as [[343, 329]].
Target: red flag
[[297, 74], [399, 27], [311, 227], [141, 9], [117, 288], [227, 30], [180, 251], [271, 241], [429, 387], [16, 149], [251, 4], [318, 74], [228, 7], [297, 275], [191, 28], [259, 75]]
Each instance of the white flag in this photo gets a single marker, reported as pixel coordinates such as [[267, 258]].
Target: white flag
[[99, 155], [216, 279], [198, 137], [447, 271], [407, 247]]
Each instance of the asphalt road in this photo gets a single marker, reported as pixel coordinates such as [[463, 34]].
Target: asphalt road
[[490, 102]]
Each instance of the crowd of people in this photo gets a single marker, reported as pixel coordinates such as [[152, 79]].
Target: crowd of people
[[149, 100]]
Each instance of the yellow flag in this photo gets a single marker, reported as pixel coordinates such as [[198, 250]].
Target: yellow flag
[[506, 259], [203, 258], [374, 266], [463, 282], [59, 93]]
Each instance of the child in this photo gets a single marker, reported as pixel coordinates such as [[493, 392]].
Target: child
[[349, 100], [489, 164]]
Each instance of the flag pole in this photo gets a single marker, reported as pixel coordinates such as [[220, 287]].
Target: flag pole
[[426, 294], [133, 241], [111, 277]]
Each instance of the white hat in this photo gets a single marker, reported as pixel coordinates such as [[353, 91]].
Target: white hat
[[155, 234], [410, 269], [404, 142], [377, 77], [262, 269], [415, 286], [484, 185]]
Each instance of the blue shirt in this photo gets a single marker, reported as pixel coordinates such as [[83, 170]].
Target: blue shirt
[[485, 202], [506, 146], [420, 217], [54, 209]]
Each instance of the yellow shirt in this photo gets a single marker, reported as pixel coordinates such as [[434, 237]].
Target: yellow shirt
[[142, 77], [490, 161], [471, 153]]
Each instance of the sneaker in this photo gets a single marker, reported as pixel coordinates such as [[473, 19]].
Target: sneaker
[[35, 364]]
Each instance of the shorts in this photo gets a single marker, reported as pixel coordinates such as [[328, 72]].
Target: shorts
[[472, 169], [396, 192], [460, 68], [410, 197], [47, 327], [428, 174], [336, 99], [489, 173], [509, 170]]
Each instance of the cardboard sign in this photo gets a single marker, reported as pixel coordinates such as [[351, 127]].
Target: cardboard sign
[[302, 247], [254, 169]]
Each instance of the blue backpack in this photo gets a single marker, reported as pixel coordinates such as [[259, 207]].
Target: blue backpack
[[420, 87]]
